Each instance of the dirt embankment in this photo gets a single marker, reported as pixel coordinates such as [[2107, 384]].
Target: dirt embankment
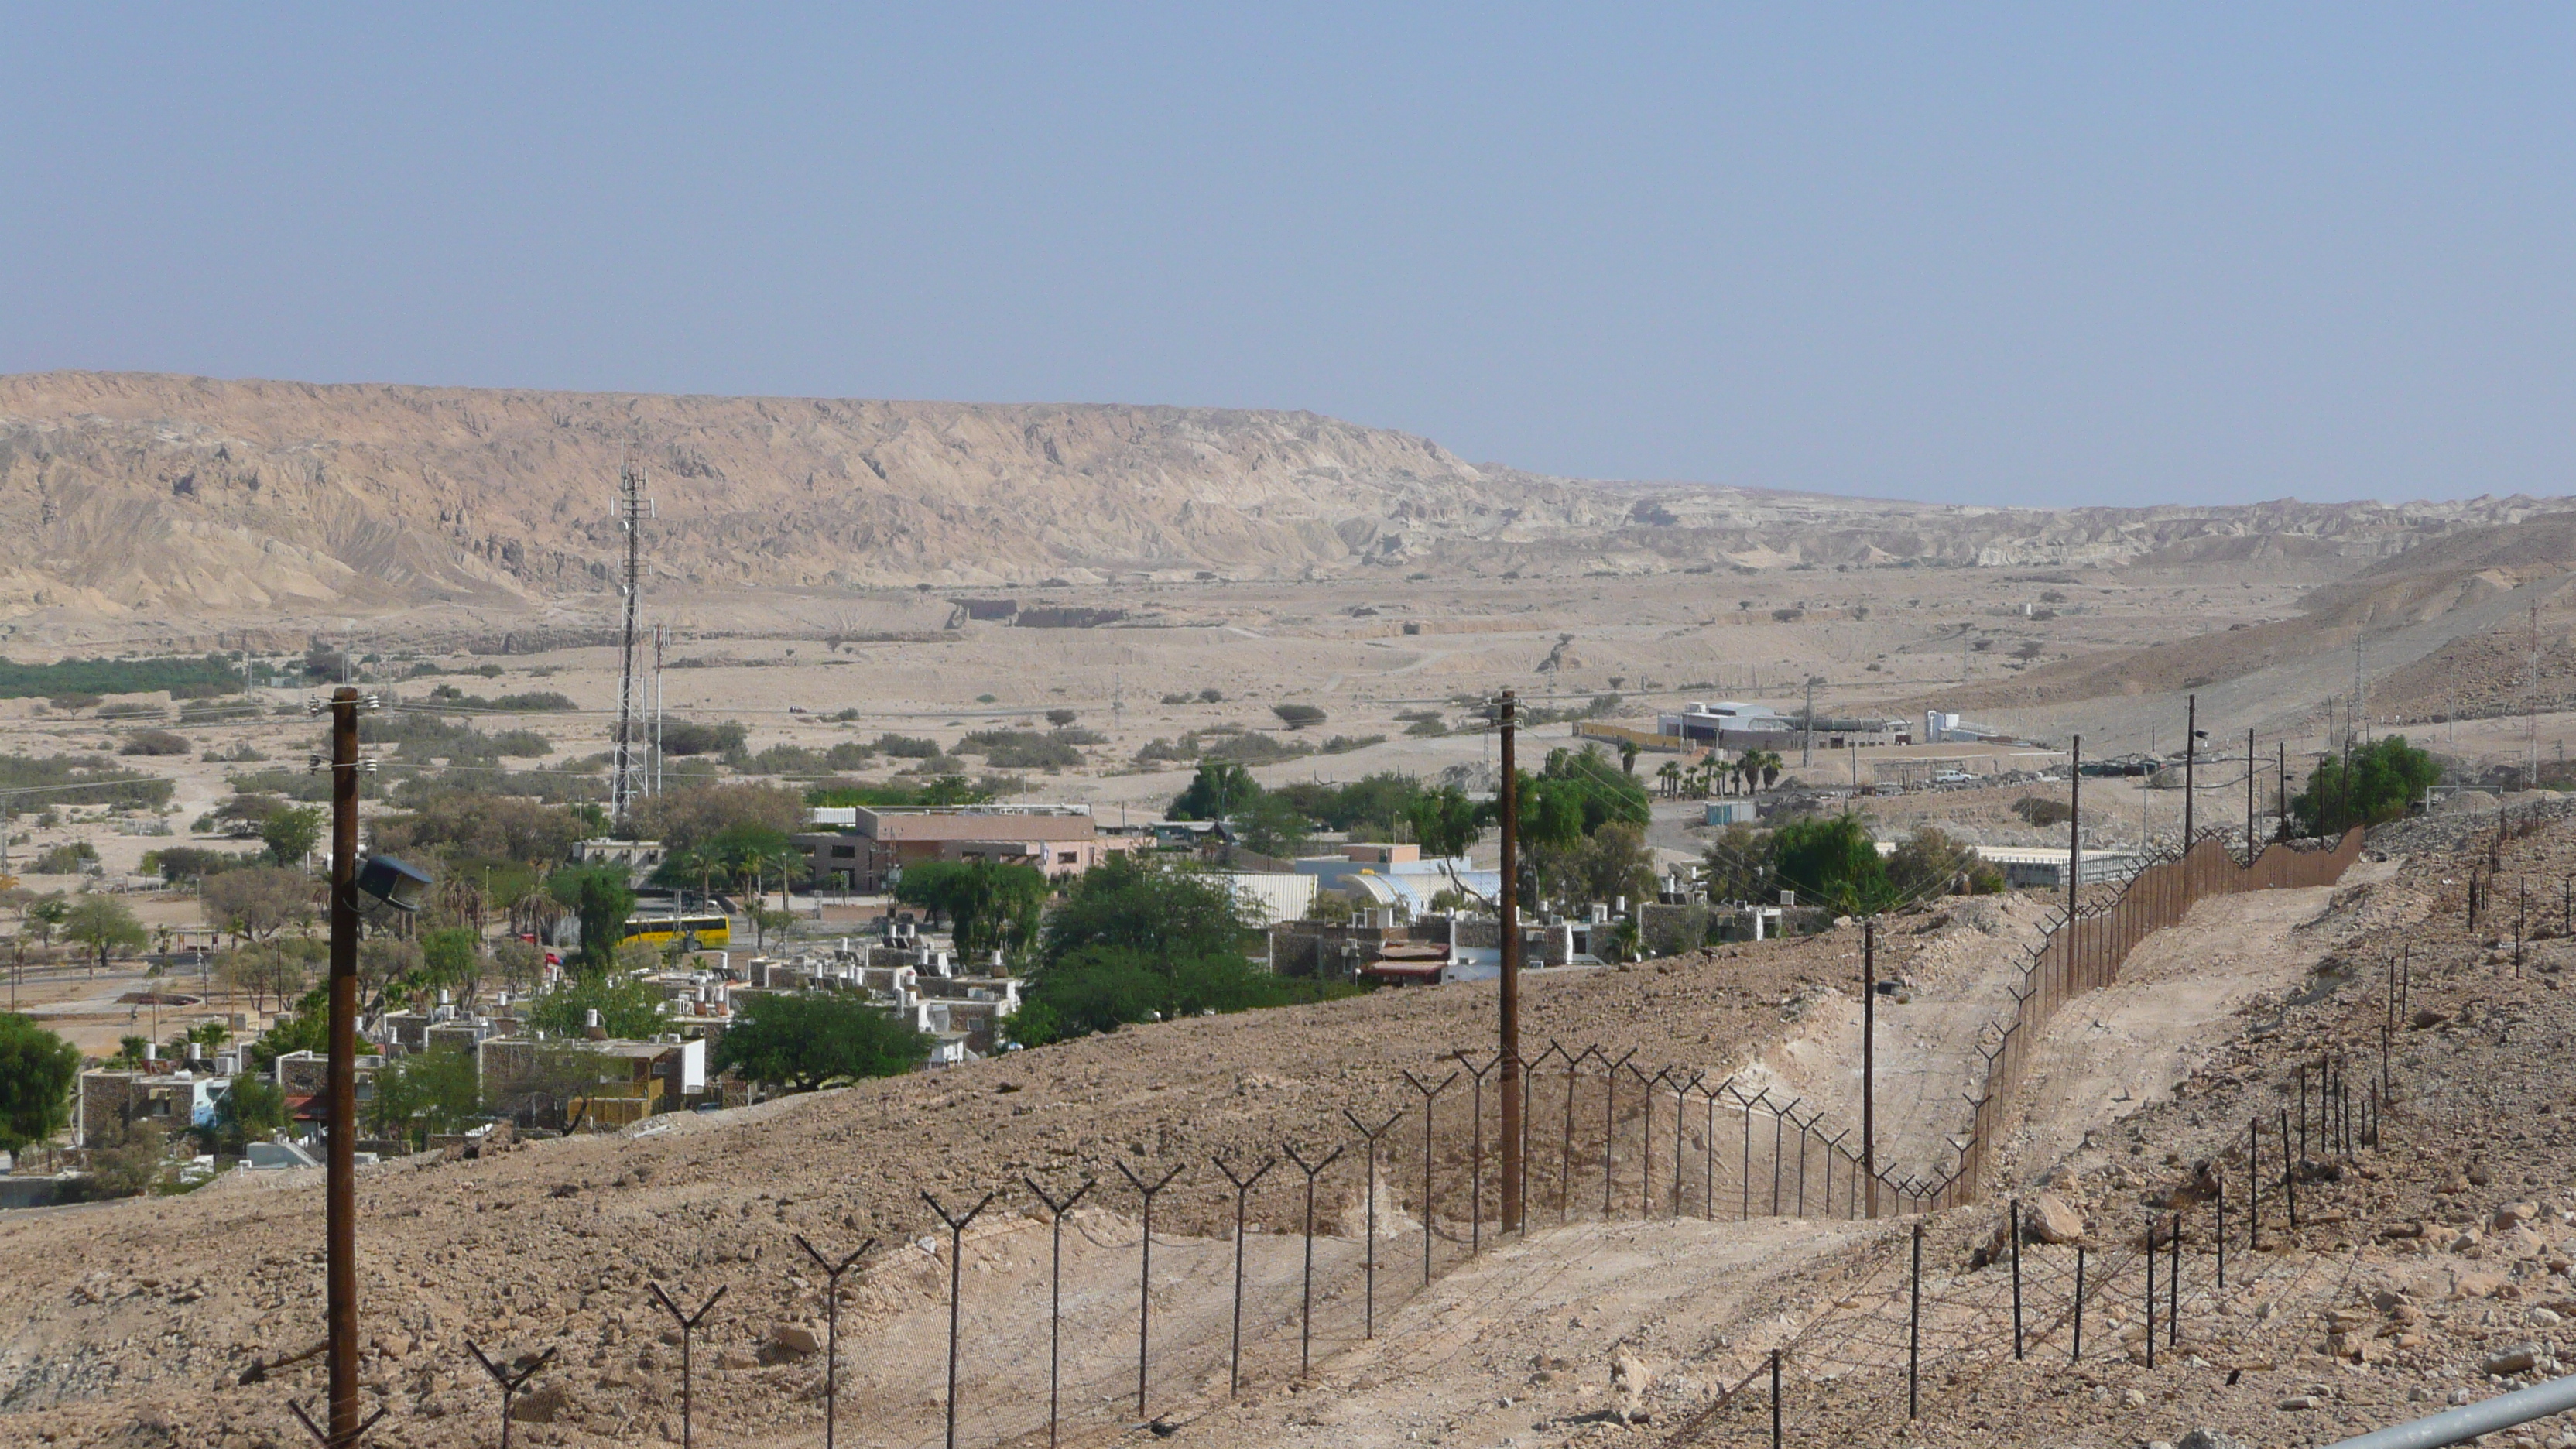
[[159, 1306]]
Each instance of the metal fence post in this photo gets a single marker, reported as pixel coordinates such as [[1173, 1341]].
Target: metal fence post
[[1055, 1298], [2015, 1229], [832, 1324], [1681, 1099], [1306, 1308], [1476, 1151], [2078, 1355], [1242, 1192], [1368, 1265], [2289, 1174], [1145, 1270], [2151, 1290], [2173, 1288], [1610, 1122], [1429, 1192], [1775, 1399], [956, 1289], [688, 1367], [510, 1383], [1914, 1331]]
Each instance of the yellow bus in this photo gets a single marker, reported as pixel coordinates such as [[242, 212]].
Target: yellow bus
[[711, 931]]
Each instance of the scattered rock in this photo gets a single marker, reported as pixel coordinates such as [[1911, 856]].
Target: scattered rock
[[543, 1404], [2511, 1361], [734, 1358], [2048, 1218], [1630, 1375], [2207, 1439], [2297, 1402], [795, 1340]]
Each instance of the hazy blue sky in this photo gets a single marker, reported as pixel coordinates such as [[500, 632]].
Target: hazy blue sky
[[2070, 253]]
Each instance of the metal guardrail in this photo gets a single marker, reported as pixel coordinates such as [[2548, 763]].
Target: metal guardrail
[[2458, 1426]]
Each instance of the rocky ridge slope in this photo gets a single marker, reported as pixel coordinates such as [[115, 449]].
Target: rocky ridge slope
[[138, 495]]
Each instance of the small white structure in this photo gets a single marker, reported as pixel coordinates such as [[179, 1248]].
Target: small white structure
[[1269, 897]]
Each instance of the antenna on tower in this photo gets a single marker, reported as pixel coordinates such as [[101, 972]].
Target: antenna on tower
[[632, 509]]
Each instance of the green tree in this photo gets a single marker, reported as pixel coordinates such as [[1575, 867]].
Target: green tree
[[1035, 1024], [1373, 806], [290, 832], [1603, 792], [1125, 902], [1833, 863], [1132, 941], [2375, 783], [752, 855], [257, 902], [629, 1008], [1445, 822], [1613, 862], [1220, 790], [599, 897], [37, 1069], [806, 1040], [1273, 826], [252, 1110], [104, 925], [307, 1029], [1099, 988], [990, 905], [683, 817], [1929, 862], [44, 916], [131, 1161], [452, 957], [425, 1093]]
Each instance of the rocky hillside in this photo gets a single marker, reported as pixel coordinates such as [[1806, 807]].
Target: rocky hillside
[[156, 492], [148, 495]]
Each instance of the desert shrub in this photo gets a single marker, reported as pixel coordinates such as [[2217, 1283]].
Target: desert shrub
[[70, 858], [907, 747], [1299, 716], [2040, 810], [154, 742], [1021, 750], [90, 678], [687, 737]]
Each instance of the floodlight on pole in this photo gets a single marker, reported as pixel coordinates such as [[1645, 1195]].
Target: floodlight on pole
[[392, 882]]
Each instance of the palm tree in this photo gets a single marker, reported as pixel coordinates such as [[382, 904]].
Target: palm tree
[[1670, 776]]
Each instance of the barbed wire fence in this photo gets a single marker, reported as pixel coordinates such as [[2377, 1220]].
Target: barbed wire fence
[[1606, 1137]]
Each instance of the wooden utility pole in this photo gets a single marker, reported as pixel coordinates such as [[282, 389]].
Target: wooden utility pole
[[340, 1171], [2074, 824], [1869, 1059], [2190, 758], [2253, 847], [627, 781], [1507, 921]]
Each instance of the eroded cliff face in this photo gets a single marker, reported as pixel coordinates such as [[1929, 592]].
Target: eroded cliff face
[[150, 495], [142, 491]]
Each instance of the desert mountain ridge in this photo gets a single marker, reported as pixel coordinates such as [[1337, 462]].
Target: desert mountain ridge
[[142, 496]]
